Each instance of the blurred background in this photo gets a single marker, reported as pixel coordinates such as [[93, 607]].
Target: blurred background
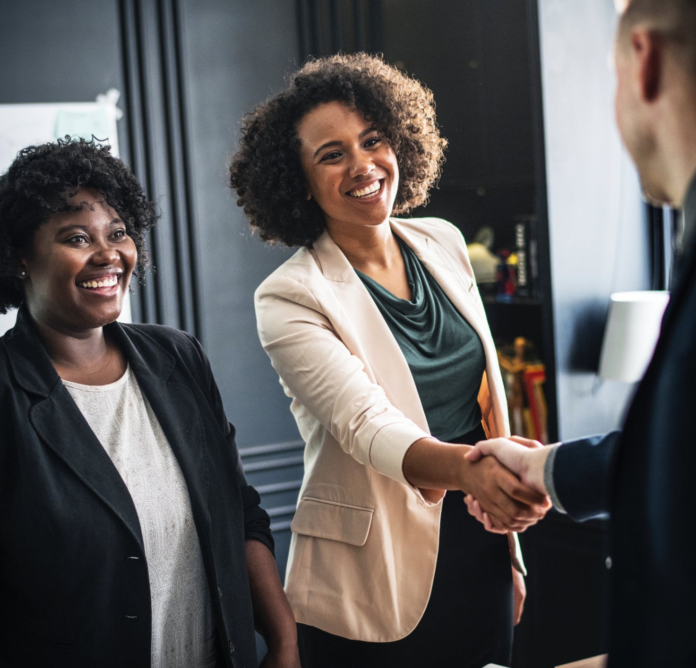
[[535, 178]]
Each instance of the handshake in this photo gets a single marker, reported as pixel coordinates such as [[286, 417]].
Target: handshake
[[510, 493]]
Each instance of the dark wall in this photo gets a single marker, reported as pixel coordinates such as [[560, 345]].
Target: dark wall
[[58, 52], [475, 57], [230, 64]]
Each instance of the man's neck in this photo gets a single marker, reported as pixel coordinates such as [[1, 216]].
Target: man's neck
[[677, 147]]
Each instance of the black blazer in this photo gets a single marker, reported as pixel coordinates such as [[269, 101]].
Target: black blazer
[[646, 478], [74, 588]]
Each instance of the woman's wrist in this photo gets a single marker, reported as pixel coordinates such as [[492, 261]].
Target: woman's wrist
[[465, 471], [432, 464]]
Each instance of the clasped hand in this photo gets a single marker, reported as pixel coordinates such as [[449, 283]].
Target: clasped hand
[[509, 493]]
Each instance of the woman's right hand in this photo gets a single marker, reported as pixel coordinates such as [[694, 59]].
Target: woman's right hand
[[513, 505], [432, 464]]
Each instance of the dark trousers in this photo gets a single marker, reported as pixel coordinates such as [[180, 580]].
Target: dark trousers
[[468, 620]]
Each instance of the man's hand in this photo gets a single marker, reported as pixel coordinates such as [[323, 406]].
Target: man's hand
[[523, 457], [510, 504]]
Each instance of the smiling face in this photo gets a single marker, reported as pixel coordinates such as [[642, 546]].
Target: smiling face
[[350, 171], [79, 267]]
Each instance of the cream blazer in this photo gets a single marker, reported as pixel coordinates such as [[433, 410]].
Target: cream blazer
[[365, 542]]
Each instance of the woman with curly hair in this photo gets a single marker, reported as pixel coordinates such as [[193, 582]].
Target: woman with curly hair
[[128, 533], [378, 334]]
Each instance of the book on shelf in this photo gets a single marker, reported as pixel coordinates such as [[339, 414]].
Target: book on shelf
[[527, 250], [524, 376]]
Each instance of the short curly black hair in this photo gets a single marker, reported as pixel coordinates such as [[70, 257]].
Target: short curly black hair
[[266, 172], [39, 183]]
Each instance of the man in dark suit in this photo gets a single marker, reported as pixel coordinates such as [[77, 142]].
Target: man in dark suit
[[644, 475]]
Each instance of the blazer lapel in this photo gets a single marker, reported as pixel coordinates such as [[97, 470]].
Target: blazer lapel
[[60, 424], [461, 291], [365, 332], [457, 287], [177, 412]]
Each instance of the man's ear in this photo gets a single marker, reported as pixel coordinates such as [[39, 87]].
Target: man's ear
[[648, 51]]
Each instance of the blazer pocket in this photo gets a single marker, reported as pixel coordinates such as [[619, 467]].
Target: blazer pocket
[[333, 521]]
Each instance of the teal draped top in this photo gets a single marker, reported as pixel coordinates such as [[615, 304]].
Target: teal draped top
[[443, 351]]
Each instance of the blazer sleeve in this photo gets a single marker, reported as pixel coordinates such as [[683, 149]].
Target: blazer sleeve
[[257, 524], [582, 473], [321, 373]]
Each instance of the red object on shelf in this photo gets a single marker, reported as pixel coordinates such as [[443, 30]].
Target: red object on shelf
[[534, 378]]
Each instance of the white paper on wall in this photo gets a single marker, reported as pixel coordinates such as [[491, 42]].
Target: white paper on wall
[[23, 125]]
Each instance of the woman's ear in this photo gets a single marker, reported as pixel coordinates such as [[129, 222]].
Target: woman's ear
[[21, 267]]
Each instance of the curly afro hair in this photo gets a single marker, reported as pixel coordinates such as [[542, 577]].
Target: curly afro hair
[[39, 183], [266, 172]]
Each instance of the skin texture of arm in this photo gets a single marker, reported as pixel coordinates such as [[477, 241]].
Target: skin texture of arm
[[272, 614]]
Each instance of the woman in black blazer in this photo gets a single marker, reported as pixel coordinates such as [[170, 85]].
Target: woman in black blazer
[[84, 527]]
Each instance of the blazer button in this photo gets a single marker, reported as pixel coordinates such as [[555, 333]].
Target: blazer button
[[231, 648], [131, 617], [133, 558], [608, 563]]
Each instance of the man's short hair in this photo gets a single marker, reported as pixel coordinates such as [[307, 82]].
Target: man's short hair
[[675, 19]]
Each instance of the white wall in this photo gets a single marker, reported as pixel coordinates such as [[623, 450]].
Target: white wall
[[598, 234]]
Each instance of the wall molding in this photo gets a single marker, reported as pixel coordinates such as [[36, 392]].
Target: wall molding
[[156, 150]]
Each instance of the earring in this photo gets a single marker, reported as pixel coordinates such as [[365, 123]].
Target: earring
[[23, 274]]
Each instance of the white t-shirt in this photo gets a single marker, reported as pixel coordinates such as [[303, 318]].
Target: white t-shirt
[[125, 424]]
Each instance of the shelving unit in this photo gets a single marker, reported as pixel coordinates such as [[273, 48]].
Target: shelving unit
[[481, 60]]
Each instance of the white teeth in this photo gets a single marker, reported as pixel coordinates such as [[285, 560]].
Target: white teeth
[[363, 192], [105, 283]]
